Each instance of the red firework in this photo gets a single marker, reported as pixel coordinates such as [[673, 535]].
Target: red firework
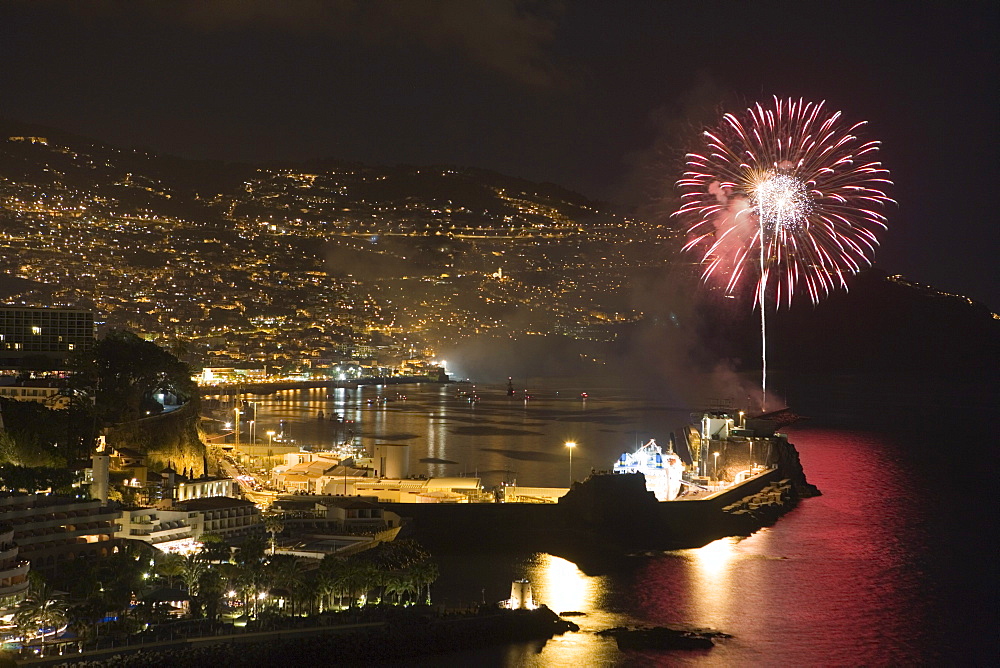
[[790, 190]]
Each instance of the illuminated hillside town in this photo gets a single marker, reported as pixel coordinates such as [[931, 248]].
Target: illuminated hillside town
[[341, 273], [131, 384], [159, 481], [497, 333]]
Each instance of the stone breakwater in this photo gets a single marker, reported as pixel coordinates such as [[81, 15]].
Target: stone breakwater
[[764, 507], [608, 515]]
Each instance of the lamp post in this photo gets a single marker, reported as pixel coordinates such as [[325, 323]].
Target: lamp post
[[270, 436], [237, 412], [569, 446], [716, 467]]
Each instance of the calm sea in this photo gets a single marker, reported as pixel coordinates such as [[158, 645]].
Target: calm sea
[[893, 565]]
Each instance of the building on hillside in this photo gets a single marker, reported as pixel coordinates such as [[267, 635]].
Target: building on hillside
[[50, 530], [317, 526], [220, 375], [200, 488], [172, 487], [318, 475], [166, 530], [13, 571], [433, 490], [128, 467], [43, 338], [224, 516], [179, 528], [130, 463], [515, 494], [51, 393], [343, 514]]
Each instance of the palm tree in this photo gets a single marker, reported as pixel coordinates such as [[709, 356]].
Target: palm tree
[[214, 548], [84, 618], [401, 584], [121, 576], [251, 550], [307, 593], [392, 585], [251, 580], [424, 574], [192, 569], [325, 584], [210, 592], [170, 566], [41, 610], [333, 573], [283, 571], [357, 579], [273, 525]]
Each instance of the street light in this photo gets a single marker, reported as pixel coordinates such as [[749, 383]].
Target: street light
[[237, 412], [570, 445], [716, 468]]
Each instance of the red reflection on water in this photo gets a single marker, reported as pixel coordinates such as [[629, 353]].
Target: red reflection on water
[[836, 581]]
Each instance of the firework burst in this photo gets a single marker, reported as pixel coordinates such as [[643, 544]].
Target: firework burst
[[788, 192]]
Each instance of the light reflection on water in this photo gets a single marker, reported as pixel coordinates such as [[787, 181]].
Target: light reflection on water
[[498, 438], [561, 584], [841, 580], [711, 579]]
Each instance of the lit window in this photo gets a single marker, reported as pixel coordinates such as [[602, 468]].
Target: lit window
[[35, 329]]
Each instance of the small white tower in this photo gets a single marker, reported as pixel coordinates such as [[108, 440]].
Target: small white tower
[[520, 596], [99, 486]]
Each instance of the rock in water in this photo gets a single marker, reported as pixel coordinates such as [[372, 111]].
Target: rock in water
[[661, 637]]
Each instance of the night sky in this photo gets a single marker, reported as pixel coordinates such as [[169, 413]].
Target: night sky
[[601, 97]]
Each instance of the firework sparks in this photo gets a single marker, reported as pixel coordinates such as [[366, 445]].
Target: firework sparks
[[789, 191], [792, 183]]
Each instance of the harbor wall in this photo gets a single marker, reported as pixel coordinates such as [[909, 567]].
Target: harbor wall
[[610, 514]]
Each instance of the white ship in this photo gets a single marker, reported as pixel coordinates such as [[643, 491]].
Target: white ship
[[663, 471]]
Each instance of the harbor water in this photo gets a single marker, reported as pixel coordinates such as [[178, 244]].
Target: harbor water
[[892, 565]]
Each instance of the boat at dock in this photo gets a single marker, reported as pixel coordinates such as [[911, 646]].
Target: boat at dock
[[663, 471]]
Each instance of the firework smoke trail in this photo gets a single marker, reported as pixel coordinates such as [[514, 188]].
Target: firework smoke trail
[[792, 184]]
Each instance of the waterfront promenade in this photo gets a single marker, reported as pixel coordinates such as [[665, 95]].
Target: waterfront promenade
[[392, 634], [270, 387], [178, 645]]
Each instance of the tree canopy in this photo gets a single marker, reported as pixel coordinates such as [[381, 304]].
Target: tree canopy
[[124, 372]]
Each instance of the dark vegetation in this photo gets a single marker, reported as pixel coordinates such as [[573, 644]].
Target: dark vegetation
[[112, 390], [122, 597]]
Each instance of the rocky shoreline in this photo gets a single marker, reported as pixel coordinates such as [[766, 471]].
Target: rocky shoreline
[[416, 632], [765, 507]]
